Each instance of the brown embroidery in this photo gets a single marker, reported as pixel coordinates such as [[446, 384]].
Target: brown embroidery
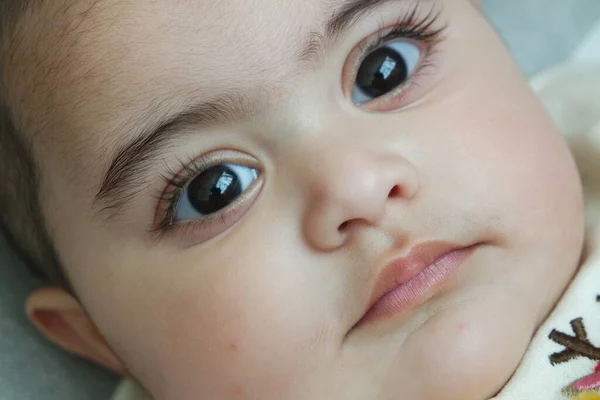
[[577, 346]]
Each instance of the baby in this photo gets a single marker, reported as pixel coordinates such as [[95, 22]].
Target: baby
[[288, 199]]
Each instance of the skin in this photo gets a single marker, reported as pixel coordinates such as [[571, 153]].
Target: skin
[[266, 309]]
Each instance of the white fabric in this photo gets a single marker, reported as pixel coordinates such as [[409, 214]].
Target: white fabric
[[589, 50], [571, 93]]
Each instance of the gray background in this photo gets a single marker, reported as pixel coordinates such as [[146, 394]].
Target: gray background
[[539, 32]]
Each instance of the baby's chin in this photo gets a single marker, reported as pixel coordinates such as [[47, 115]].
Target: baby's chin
[[468, 351]]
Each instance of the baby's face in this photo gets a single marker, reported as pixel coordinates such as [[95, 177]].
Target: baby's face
[[229, 185]]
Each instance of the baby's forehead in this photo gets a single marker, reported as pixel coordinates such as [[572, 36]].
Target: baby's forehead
[[166, 36], [105, 41], [100, 66]]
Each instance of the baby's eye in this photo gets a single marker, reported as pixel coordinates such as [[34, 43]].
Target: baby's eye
[[385, 69], [208, 195], [213, 190]]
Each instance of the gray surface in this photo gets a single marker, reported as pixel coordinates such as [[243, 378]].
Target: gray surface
[[539, 32], [31, 369]]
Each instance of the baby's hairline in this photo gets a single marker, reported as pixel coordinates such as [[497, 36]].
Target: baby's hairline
[[21, 218]]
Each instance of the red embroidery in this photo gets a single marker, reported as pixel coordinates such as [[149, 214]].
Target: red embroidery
[[590, 382]]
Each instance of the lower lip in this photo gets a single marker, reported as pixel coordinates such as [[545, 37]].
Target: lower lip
[[419, 287]]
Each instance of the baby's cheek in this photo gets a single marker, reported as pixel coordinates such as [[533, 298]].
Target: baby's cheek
[[243, 331]]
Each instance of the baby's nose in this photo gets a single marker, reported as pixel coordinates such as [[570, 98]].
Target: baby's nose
[[352, 189]]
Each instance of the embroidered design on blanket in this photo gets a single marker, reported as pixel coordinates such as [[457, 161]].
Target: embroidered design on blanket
[[577, 346]]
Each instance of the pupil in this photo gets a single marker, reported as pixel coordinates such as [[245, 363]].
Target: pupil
[[214, 189], [381, 72]]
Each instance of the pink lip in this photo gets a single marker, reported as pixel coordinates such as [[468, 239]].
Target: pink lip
[[405, 281]]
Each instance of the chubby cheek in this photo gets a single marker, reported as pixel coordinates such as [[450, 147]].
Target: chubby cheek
[[228, 322], [533, 176], [507, 154], [537, 194], [502, 153], [527, 166]]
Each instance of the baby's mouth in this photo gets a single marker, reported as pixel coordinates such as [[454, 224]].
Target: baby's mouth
[[407, 281]]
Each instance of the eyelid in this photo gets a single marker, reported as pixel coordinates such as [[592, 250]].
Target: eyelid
[[399, 30], [191, 233], [176, 183]]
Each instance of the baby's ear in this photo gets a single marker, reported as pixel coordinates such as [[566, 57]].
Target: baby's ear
[[62, 319]]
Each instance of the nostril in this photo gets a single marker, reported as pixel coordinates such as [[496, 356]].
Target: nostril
[[395, 192], [343, 226]]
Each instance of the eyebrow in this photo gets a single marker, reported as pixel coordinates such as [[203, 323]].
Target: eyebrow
[[126, 169]]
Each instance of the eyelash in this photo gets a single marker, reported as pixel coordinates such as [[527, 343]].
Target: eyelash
[[410, 26], [175, 186]]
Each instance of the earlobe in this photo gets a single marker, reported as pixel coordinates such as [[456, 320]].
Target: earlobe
[[62, 319]]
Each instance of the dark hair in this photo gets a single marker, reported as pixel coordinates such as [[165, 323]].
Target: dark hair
[[21, 217]]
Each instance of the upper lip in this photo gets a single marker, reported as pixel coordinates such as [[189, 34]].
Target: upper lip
[[402, 270]]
